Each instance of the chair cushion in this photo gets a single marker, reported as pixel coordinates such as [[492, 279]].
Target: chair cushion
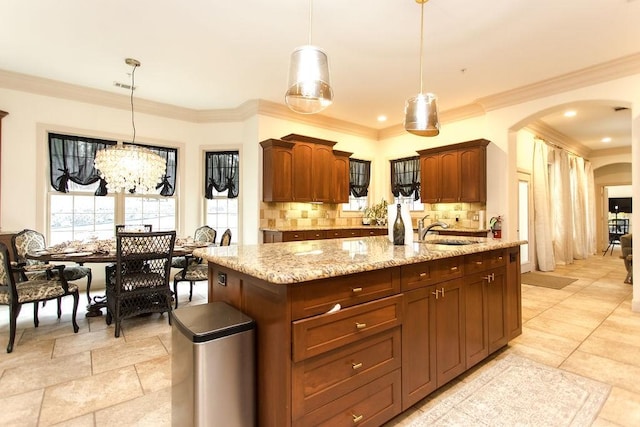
[[178, 262], [75, 272], [195, 273], [36, 290]]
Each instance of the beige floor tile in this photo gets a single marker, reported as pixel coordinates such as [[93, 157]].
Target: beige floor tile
[[153, 409], [33, 353], [25, 378], [155, 374], [86, 420], [574, 316], [622, 408], [140, 328], [126, 354], [604, 369], [21, 410], [78, 397], [85, 342], [537, 354], [559, 327], [620, 351], [550, 343]]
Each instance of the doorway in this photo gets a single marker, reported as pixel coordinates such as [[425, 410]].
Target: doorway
[[525, 219]]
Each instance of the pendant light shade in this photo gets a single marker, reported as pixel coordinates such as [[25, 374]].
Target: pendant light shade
[[309, 89], [421, 115], [421, 111]]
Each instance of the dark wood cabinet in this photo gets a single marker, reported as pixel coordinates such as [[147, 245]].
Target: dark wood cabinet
[[273, 236], [277, 170], [454, 173], [514, 293], [298, 168]]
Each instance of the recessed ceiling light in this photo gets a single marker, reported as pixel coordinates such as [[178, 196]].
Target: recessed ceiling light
[[606, 139], [570, 113], [382, 118]]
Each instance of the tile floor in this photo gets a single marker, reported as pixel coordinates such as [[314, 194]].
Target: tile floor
[[55, 377]]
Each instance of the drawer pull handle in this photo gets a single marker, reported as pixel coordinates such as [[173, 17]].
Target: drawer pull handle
[[357, 418], [454, 268], [356, 290], [423, 274], [499, 258], [478, 262], [360, 325], [356, 366]]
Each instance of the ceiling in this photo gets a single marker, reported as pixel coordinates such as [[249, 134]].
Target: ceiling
[[206, 54]]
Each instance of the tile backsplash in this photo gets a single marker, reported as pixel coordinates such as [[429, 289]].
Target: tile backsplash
[[290, 214]]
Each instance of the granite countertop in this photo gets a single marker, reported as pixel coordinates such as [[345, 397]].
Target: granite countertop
[[295, 262]]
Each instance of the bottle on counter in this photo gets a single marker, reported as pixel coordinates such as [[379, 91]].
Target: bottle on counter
[[398, 228]]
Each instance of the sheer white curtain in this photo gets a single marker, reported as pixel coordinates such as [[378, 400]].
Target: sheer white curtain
[[578, 197], [561, 209], [541, 206], [591, 243]]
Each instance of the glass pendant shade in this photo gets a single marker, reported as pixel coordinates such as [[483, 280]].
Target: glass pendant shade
[[309, 90], [130, 167], [421, 115]]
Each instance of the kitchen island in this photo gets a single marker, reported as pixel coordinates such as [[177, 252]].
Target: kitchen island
[[354, 331]]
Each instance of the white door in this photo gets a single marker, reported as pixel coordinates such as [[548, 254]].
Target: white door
[[525, 220]]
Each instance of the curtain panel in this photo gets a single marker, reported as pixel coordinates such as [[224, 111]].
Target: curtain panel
[[405, 177], [167, 184], [359, 177], [71, 159], [222, 173]]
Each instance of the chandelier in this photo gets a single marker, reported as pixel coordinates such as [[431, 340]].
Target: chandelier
[[421, 111], [130, 167], [309, 86]]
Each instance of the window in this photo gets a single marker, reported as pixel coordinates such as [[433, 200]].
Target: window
[[405, 182], [80, 207], [222, 184], [359, 178]]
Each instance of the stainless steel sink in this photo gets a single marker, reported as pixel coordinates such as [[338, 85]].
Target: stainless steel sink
[[451, 242]]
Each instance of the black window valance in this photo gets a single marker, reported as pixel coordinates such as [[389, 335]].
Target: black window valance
[[405, 177], [222, 173], [167, 184], [71, 159], [359, 177]]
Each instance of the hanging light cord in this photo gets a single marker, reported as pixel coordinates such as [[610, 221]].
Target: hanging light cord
[[133, 80], [310, 20], [421, 40]]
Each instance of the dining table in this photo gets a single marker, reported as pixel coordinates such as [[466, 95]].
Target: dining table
[[102, 251]]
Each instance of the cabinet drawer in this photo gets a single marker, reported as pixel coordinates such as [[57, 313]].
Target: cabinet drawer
[[319, 380], [427, 273], [484, 260], [326, 332], [292, 236], [320, 296], [315, 234], [342, 233], [369, 405], [373, 232]]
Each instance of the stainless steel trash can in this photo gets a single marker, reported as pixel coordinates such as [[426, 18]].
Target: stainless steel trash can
[[212, 366]]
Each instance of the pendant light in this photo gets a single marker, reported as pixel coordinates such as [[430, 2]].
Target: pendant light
[[421, 111], [130, 167], [309, 89]]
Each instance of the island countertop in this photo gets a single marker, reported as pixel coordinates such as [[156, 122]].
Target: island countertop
[[296, 262]]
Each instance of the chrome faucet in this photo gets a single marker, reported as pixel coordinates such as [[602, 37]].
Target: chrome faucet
[[423, 233], [421, 225]]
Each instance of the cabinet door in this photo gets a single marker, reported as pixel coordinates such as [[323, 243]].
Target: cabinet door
[[473, 179], [277, 176], [302, 171], [430, 179], [449, 315], [340, 193], [476, 317], [497, 310], [322, 172], [514, 294], [449, 177], [418, 346]]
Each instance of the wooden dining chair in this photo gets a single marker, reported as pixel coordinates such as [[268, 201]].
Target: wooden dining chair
[[225, 240], [203, 234], [193, 270], [15, 294], [131, 290]]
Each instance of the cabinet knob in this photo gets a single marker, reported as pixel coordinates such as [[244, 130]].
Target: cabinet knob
[[356, 290], [356, 366], [478, 262], [454, 268], [360, 325], [423, 274], [357, 418]]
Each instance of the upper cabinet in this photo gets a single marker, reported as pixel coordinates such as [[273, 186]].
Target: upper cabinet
[[299, 168], [454, 173]]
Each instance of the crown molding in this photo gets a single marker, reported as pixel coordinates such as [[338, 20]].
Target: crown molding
[[617, 68], [616, 151], [611, 70], [549, 134]]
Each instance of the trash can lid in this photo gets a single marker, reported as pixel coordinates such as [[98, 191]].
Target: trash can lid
[[206, 322]]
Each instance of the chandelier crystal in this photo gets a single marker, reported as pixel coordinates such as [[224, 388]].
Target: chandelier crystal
[[130, 167]]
